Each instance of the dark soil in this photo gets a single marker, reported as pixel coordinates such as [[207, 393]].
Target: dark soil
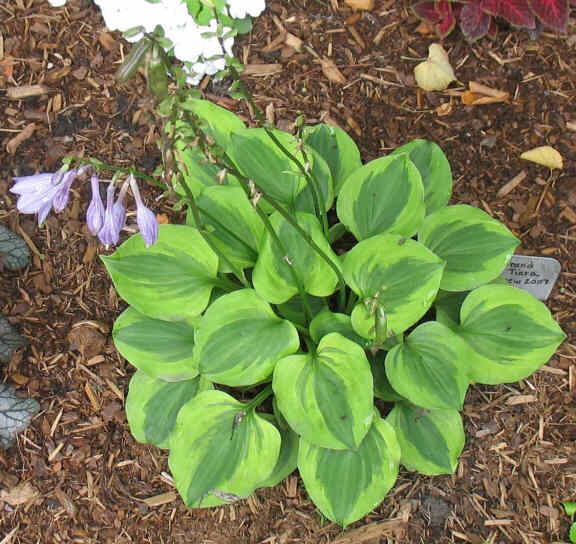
[[80, 475]]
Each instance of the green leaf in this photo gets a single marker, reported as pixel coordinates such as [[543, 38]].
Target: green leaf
[[326, 322], [326, 397], [336, 148], [434, 169], [258, 158], [320, 172], [272, 276], [510, 333], [240, 339], [572, 533], [476, 247], [14, 253], [346, 484], [429, 368], [569, 508], [447, 306], [384, 196], [293, 309], [288, 457], [396, 276], [219, 123], [162, 349], [172, 280], [152, 406], [236, 230], [217, 448], [15, 414], [197, 172], [382, 388], [10, 340], [431, 441]]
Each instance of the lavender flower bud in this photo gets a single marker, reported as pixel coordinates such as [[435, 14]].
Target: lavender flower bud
[[63, 193], [95, 212], [109, 234], [146, 219]]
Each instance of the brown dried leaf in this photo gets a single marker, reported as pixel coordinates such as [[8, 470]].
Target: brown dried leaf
[[331, 71], [87, 340], [13, 144], [544, 155], [107, 42], [363, 5], [23, 493]]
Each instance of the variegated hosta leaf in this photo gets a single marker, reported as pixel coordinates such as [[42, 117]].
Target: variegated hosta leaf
[[162, 349], [337, 149], [385, 195], [258, 158], [218, 451], [321, 183], [240, 339], [219, 123], [233, 225], [172, 280], [288, 457], [272, 276], [510, 333], [476, 247], [382, 387], [152, 406], [447, 306], [434, 170], [430, 367], [327, 397], [430, 440], [396, 280], [347, 484], [326, 322]]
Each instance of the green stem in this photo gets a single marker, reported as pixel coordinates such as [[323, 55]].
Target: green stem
[[259, 398], [101, 165]]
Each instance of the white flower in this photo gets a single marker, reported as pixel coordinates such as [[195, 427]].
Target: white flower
[[242, 8], [57, 3]]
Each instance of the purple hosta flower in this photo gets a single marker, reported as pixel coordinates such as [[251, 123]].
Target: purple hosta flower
[[113, 222], [147, 222], [95, 212], [118, 210]]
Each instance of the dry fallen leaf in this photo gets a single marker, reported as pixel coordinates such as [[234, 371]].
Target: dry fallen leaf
[[21, 494], [435, 73], [482, 94], [331, 71], [544, 155], [365, 5]]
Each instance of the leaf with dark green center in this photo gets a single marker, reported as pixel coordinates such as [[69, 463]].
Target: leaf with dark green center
[[476, 247], [384, 196], [172, 280], [510, 333], [327, 397], [347, 484], [217, 449], [152, 406], [431, 440], [240, 339]]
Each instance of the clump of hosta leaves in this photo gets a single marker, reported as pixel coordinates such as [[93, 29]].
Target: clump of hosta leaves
[[264, 340]]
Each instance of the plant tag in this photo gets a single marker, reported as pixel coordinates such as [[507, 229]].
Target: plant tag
[[537, 275]]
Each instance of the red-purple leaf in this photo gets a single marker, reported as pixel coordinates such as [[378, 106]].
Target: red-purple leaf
[[553, 13], [474, 22], [439, 13], [428, 11], [493, 29], [516, 12], [444, 27]]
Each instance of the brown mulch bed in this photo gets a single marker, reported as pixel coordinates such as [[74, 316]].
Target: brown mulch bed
[[78, 474]]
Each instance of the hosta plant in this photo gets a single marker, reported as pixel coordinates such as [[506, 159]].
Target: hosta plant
[[476, 18], [315, 313]]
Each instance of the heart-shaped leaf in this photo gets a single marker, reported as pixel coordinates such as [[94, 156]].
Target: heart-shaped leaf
[[552, 13], [347, 484], [240, 339], [510, 333], [219, 451], [430, 441], [326, 397], [162, 349], [337, 149], [152, 406], [435, 73], [476, 247], [429, 368], [172, 280], [10, 340], [396, 280], [385, 195], [434, 170], [272, 276]]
